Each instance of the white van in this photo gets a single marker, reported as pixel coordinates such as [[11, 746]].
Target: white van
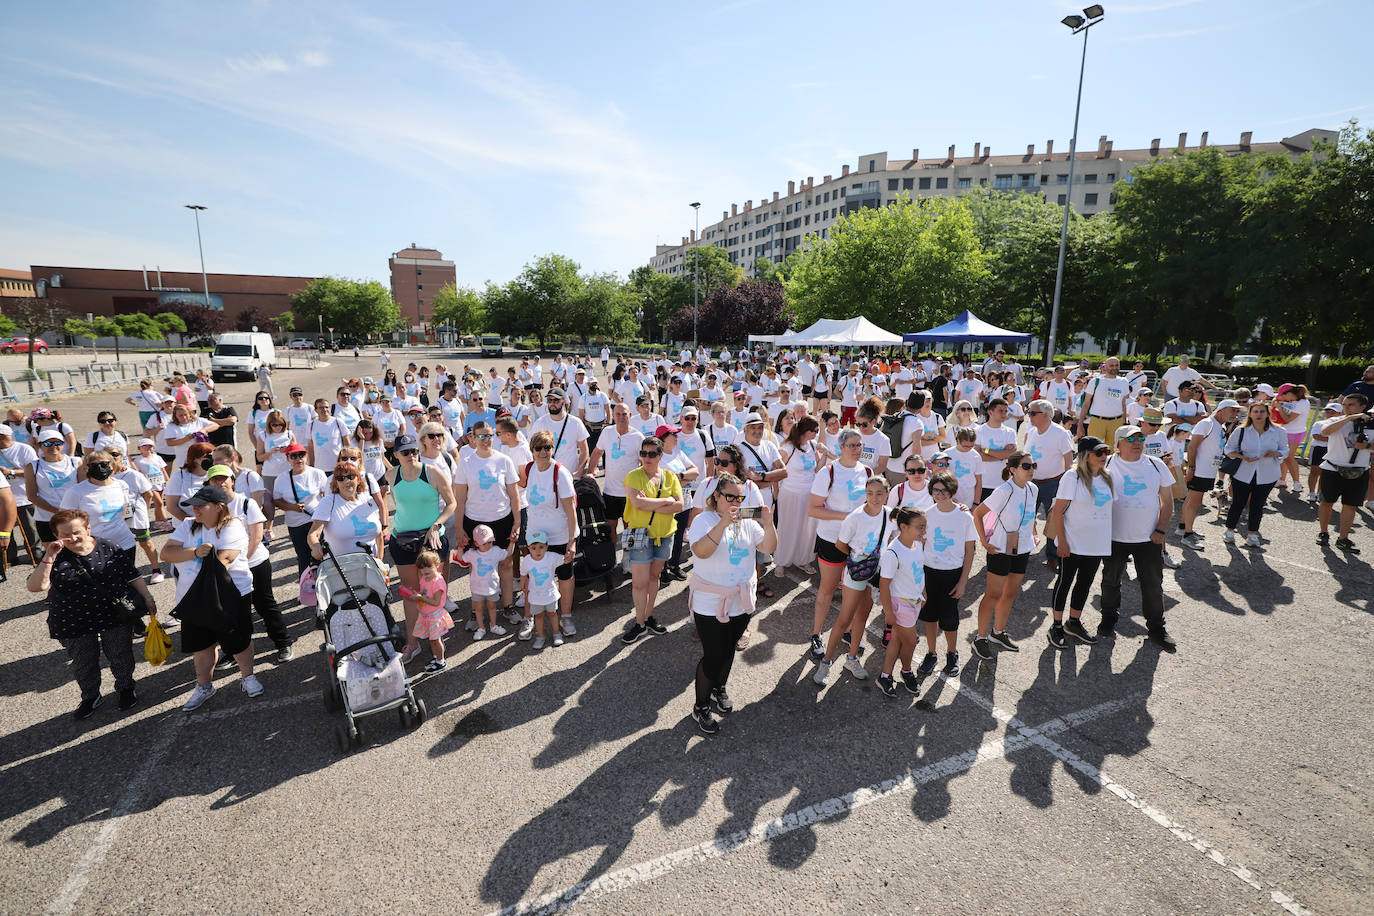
[[241, 353]]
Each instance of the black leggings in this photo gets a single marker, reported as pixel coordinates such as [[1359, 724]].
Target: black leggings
[[717, 651], [1253, 493], [299, 533], [679, 535], [1071, 568], [266, 604]]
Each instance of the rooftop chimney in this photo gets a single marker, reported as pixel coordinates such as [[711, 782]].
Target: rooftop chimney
[[987, 151], [1203, 142], [1105, 151], [791, 188], [694, 235], [1030, 149], [1154, 147], [1182, 141], [1049, 148], [844, 171], [1101, 143], [1245, 136], [951, 153], [734, 209], [915, 153], [827, 180], [684, 240], [748, 205], [775, 196], [810, 182], [977, 150]]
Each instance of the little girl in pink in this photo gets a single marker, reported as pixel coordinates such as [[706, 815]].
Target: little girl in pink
[[434, 620]]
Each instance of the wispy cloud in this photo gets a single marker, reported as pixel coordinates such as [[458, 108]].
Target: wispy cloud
[[314, 59], [258, 63], [1177, 33]]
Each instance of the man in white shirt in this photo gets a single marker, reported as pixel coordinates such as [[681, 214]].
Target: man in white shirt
[[1183, 372], [577, 392], [1142, 504], [1185, 408], [569, 433], [1058, 390], [995, 442], [1345, 469], [1104, 404], [619, 446], [1052, 449]]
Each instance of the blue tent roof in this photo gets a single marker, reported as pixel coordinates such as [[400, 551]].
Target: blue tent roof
[[967, 327]]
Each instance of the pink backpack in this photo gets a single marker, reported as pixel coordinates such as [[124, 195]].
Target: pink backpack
[[308, 586]]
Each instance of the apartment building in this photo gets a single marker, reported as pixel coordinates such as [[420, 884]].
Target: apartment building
[[774, 228], [417, 274]]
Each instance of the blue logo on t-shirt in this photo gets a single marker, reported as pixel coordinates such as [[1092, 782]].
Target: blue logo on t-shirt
[[960, 470], [111, 510], [616, 451], [485, 567], [1036, 454], [363, 527], [689, 446], [870, 543], [739, 553], [918, 574], [856, 489], [1027, 515], [1101, 496], [1132, 486], [540, 576], [537, 498], [941, 541], [486, 479], [808, 461], [322, 439]]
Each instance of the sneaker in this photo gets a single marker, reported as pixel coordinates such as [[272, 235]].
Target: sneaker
[[1162, 638], [1179, 530], [1312, 497], [655, 627], [928, 665], [569, 628], [635, 631], [479, 633], [677, 573], [409, 654], [1253, 540], [1074, 627], [557, 638], [951, 664], [1169, 561], [526, 629], [1057, 637], [435, 664], [251, 685], [539, 642], [198, 696], [887, 685], [740, 644], [225, 661], [520, 600], [88, 708], [822, 672], [855, 668], [720, 702], [283, 654], [498, 630], [1193, 541], [1106, 627], [912, 682], [512, 615], [1323, 538], [817, 648], [156, 577], [982, 648], [1229, 537], [705, 721], [128, 699], [1003, 640], [844, 638], [1297, 488], [471, 625], [1347, 545]]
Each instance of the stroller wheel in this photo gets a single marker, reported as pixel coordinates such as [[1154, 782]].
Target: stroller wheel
[[421, 713], [404, 712], [341, 738]]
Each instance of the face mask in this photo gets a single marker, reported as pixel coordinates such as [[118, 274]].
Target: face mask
[[99, 471]]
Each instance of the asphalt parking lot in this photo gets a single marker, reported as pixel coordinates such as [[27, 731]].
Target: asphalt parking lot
[[1230, 777]]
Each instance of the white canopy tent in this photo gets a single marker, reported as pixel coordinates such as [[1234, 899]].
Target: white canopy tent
[[769, 338], [841, 332]]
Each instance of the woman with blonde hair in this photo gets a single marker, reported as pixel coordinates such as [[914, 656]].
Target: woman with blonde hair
[[1009, 546], [1082, 516]]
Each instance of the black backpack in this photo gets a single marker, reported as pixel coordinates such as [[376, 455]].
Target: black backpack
[[891, 426]]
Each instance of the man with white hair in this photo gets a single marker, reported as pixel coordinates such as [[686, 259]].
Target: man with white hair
[[1052, 449]]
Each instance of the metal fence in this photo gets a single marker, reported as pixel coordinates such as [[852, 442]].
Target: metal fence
[[45, 384]]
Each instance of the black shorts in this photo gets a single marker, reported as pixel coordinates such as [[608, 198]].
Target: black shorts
[[827, 552], [502, 528], [941, 607], [1349, 490], [402, 554], [1201, 484], [615, 507], [1315, 455], [806, 391], [1008, 564], [194, 638]]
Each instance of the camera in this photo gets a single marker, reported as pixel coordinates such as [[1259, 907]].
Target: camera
[[750, 512], [1361, 424]]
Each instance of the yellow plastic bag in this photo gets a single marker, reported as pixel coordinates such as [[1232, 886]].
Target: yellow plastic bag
[[157, 645]]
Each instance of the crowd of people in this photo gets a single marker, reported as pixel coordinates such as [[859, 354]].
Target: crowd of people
[[875, 476]]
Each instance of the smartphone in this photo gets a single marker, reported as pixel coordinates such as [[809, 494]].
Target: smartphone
[[750, 511]]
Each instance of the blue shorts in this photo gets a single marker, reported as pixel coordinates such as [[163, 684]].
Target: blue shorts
[[661, 552]]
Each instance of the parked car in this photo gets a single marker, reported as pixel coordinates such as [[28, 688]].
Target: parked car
[[301, 343], [491, 345], [207, 343], [1306, 359], [1244, 361], [23, 345]]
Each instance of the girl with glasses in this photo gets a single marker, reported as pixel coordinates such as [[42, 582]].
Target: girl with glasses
[[961, 416], [1006, 524]]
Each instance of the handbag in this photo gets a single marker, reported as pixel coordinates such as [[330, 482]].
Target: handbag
[[1229, 466], [869, 569], [212, 601]]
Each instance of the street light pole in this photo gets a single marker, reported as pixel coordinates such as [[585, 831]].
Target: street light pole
[[196, 208], [696, 271], [1078, 24]]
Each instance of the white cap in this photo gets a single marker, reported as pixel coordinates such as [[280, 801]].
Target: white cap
[[1229, 402], [143, 442], [5, 430], [1266, 388]]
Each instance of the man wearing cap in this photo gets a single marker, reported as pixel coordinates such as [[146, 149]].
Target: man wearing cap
[[1142, 504], [1104, 403], [1345, 469], [595, 411], [569, 433], [1315, 453], [14, 457], [1175, 376], [1200, 467], [576, 390]]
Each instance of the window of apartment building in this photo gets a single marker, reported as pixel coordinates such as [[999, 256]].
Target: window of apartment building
[[873, 186], [982, 182], [1090, 178], [892, 184], [925, 184], [1062, 178], [1044, 179], [789, 208], [963, 182], [908, 184], [1111, 198], [1111, 177], [808, 219], [872, 165], [419, 271], [843, 192], [857, 187], [1027, 180], [1090, 200], [1002, 181], [941, 182], [1060, 201]]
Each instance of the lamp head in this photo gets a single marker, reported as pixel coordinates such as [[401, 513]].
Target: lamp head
[[1094, 11], [695, 204], [1073, 22]]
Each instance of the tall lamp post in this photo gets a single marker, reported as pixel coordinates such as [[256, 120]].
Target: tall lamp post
[[696, 270], [196, 208], [1092, 15]]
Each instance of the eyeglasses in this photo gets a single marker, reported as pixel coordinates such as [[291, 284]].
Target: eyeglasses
[[345, 476], [1136, 438], [541, 448], [917, 471], [441, 435], [480, 437], [852, 445], [644, 454], [1034, 413], [1028, 465], [939, 491], [733, 497], [409, 451]]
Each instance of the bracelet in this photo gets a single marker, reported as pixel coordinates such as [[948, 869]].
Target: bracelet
[[1159, 531]]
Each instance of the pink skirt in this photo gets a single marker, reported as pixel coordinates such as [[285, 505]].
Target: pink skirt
[[432, 624]]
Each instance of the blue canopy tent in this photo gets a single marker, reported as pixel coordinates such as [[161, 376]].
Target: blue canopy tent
[[967, 328]]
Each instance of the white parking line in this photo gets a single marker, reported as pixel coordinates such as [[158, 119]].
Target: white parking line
[[991, 749]]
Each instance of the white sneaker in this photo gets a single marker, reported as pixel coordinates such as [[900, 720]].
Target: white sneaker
[[1229, 537], [1312, 497], [480, 634], [557, 638], [498, 630], [451, 606], [512, 615], [198, 696], [855, 667], [526, 629], [1253, 540], [471, 624], [251, 685], [156, 577], [822, 672], [1169, 561], [1297, 489], [520, 601], [538, 642], [569, 628]]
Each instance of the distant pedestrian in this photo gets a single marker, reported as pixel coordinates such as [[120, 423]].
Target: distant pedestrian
[[265, 380]]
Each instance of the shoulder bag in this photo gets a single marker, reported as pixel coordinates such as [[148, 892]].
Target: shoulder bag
[[870, 567], [1229, 466]]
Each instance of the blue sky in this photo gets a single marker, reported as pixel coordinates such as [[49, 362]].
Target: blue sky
[[324, 136]]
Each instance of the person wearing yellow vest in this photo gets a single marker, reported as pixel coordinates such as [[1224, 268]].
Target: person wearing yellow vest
[[653, 498]]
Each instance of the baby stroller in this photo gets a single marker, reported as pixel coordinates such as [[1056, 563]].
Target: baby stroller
[[595, 549], [352, 606]]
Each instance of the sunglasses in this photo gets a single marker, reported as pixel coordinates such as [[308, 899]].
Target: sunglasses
[[864, 425], [1102, 451], [263, 397], [107, 419], [441, 435], [1028, 465], [542, 448], [1133, 439], [480, 437], [345, 476], [644, 454], [917, 471], [99, 465], [941, 463], [733, 497], [296, 457], [409, 451]]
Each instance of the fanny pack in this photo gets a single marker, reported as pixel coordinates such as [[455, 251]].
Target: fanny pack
[[1351, 473], [868, 569]]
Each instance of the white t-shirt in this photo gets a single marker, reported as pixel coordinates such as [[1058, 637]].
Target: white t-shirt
[[181, 430], [543, 589], [15, 458], [565, 451], [1106, 397], [306, 488], [1186, 410], [487, 480], [993, 438], [1298, 423], [1208, 458], [545, 510], [346, 523], [1049, 450], [732, 563], [966, 466], [328, 436], [1135, 503], [154, 468], [906, 567], [843, 489], [969, 389], [1340, 450], [250, 513], [696, 447], [484, 576], [760, 458], [947, 534], [723, 435], [138, 485], [233, 536], [182, 485], [1014, 511], [865, 534], [622, 456], [1060, 394], [801, 468], [110, 508], [1088, 517], [1175, 376], [299, 418], [876, 447], [646, 425], [595, 407], [904, 494]]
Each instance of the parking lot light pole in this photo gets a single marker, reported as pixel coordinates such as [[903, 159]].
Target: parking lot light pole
[[196, 208], [696, 271]]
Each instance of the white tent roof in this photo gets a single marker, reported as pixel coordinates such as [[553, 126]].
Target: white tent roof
[[842, 332], [769, 338]]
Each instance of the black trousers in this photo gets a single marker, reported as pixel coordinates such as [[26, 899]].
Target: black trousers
[[1149, 571], [717, 651], [1077, 573], [680, 535], [118, 644], [302, 546], [1252, 494], [265, 603]]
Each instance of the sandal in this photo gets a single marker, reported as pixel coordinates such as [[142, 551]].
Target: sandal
[[743, 642], [764, 591]]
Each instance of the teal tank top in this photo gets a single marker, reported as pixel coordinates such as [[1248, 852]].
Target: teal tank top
[[417, 503]]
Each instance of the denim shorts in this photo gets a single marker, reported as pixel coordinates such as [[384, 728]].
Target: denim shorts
[[661, 552]]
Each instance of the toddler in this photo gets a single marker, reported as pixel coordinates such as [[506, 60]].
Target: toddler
[[434, 620], [150, 464], [483, 560], [538, 578]]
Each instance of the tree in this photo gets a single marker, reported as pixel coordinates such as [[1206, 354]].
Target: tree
[[285, 323], [716, 269], [543, 294], [8, 328], [661, 296], [353, 307], [459, 308], [252, 318], [198, 320], [905, 266], [34, 317], [604, 307], [136, 326], [169, 323], [732, 313]]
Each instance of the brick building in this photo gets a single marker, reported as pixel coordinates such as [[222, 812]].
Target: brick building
[[16, 284], [417, 274]]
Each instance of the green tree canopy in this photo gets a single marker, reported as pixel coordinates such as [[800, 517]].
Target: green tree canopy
[[661, 297], [460, 308], [716, 270], [544, 294], [351, 307]]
